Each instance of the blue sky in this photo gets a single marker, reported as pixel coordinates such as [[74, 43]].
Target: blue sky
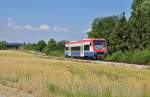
[[33, 20]]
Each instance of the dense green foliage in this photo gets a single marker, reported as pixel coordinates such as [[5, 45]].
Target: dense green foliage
[[114, 29], [137, 56], [125, 34], [52, 48], [3, 45], [126, 37]]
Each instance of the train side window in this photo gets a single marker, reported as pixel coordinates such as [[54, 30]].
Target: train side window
[[66, 48], [86, 47], [75, 48]]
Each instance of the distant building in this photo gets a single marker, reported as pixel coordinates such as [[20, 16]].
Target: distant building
[[14, 45]]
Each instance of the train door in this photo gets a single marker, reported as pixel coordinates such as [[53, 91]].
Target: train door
[[82, 51], [69, 51]]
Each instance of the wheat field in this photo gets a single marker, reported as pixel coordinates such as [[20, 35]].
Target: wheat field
[[27, 75]]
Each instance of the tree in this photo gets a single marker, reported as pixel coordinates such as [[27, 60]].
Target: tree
[[102, 27], [50, 46], [3, 45], [121, 35], [136, 3], [40, 45], [140, 23], [60, 45]]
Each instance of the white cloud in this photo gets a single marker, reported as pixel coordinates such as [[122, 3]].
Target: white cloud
[[44, 27], [25, 27], [61, 29], [29, 27], [41, 28]]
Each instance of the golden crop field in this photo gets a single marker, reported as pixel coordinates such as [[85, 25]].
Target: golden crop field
[[27, 75]]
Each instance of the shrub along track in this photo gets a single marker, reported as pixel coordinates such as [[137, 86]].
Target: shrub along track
[[138, 66]]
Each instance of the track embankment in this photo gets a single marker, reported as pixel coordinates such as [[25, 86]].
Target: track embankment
[[137, 66]]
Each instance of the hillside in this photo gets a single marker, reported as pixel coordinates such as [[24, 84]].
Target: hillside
[[27, 75]]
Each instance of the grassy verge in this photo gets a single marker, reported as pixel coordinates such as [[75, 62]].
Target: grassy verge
[[29, 74]]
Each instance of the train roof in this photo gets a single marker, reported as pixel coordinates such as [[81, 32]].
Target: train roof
[[84, 40]]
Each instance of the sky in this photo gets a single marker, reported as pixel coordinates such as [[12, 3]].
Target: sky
[[34, 20]]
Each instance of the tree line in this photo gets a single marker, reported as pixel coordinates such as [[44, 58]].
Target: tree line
[[122, 33], [51, 48], [126, 34]]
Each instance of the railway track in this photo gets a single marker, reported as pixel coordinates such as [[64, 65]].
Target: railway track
[[137, 66], [105, 62]]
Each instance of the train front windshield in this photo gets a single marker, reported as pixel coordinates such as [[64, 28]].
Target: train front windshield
[[99, 44]]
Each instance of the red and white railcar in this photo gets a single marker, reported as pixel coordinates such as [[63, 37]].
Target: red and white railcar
[[89, 48]]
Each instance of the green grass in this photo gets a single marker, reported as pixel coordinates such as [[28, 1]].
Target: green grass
[[24, 73]]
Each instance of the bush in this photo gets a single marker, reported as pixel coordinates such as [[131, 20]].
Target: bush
[[137, 56], [141, 57], [56, 53], [115, 56]]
